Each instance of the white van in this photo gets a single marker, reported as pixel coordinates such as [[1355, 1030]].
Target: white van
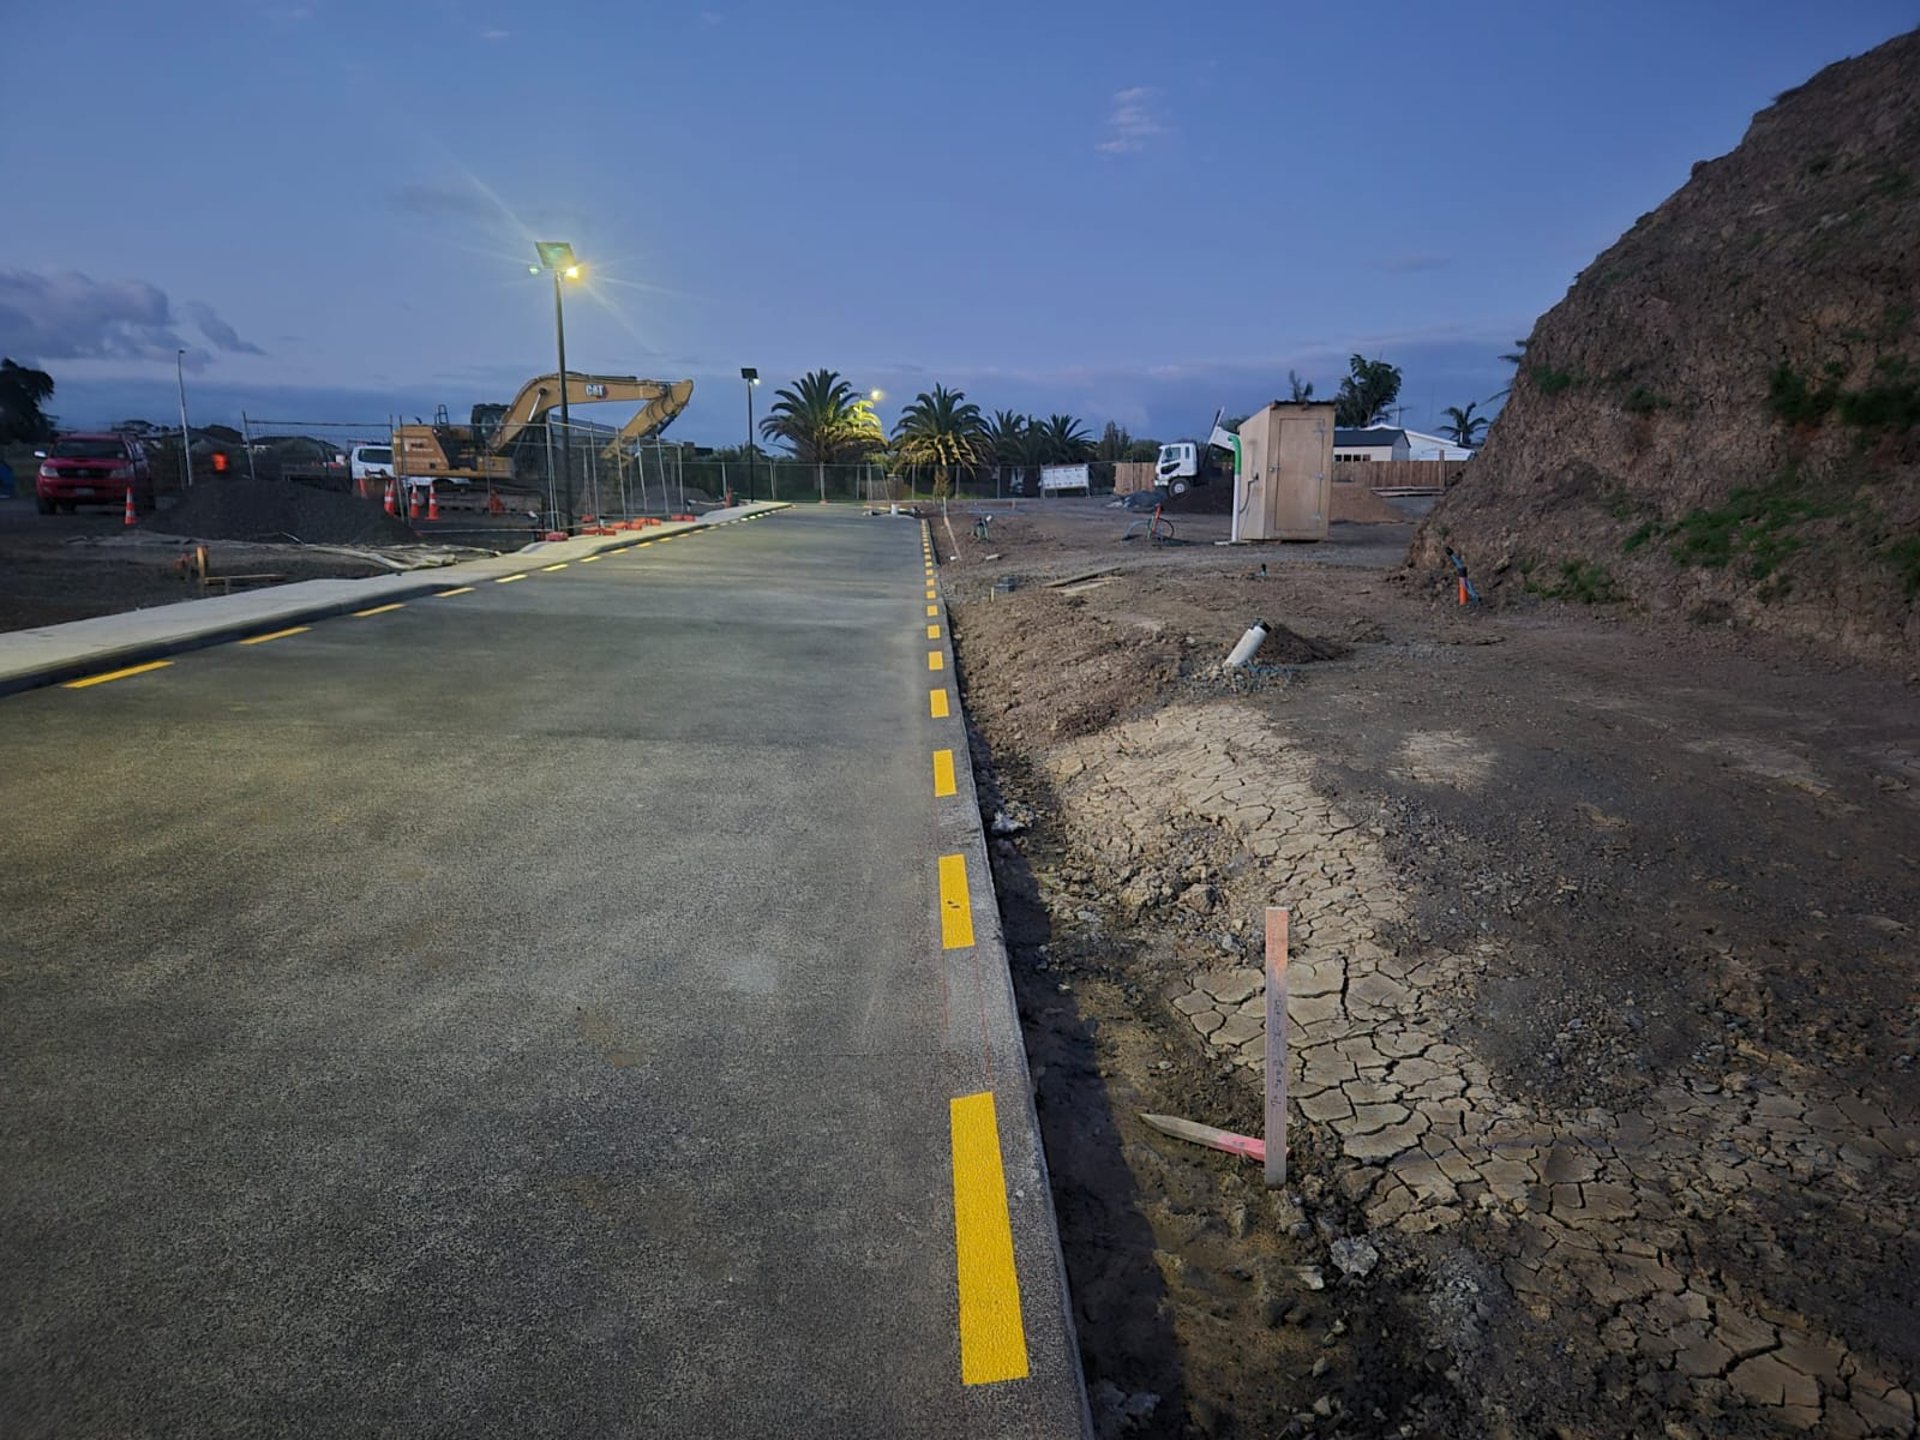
[[371, 462]]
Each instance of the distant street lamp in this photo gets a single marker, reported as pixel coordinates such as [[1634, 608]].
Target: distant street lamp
[[186, 435], [752, 377], [557, 256]]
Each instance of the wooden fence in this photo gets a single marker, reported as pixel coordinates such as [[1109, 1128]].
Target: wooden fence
[[1400, 474]]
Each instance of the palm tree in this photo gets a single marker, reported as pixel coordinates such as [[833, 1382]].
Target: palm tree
[[1516, 358], [820, 419], [1007, 437], [1302, 389], [1063, 440], [944, 429], [1463, 425]]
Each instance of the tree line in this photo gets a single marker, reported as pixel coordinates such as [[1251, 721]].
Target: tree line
[[822, 419]]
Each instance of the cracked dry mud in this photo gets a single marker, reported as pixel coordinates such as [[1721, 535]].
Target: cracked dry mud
[[1602, 992]]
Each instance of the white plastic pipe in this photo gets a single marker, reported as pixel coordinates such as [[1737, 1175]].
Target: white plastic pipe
[[1250, 643]]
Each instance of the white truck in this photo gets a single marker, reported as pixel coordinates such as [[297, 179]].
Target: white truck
[[371, 461], [1183, 463]]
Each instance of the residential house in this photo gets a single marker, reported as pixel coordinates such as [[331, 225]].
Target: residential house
[[1378, 442], [1434, 447]]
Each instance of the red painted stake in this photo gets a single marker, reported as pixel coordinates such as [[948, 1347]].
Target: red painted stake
[[1276, 1126]]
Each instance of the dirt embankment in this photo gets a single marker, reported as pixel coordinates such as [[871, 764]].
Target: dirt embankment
[[1593, 1134], [1722, 417]]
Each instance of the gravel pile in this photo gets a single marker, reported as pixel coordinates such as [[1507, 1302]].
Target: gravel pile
[[266, 511]]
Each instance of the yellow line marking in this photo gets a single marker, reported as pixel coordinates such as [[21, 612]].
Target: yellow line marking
[[549, 569], [589, 559], [937, 703], [463, 590], [935, 660], [932, 610], [117, 674], [930, 595], [509, 579], [380, 610], [933, 632], [943, 772], [956, 907], [276, 635], [993, 1342]]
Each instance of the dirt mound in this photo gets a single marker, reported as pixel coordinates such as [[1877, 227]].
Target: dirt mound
[[263, 510], [1722, 417], [1214, 498], [1289, 647]]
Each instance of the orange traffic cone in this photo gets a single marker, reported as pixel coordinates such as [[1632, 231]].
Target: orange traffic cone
[[390, 505], [413, 503], [129, 514], [433, 503]]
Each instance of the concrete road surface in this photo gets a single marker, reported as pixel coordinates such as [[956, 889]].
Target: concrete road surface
[[569, 1007]]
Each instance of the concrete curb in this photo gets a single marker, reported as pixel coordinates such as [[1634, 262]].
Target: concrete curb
[[961, 828], [30, 659]]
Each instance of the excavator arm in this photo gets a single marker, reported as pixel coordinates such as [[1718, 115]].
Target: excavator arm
[[661, 400]]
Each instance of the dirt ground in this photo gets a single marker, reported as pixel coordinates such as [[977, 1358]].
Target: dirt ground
[[1605, 993], [56, 568]]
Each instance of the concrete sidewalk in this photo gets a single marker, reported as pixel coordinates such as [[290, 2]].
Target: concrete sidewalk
[[55, 653]]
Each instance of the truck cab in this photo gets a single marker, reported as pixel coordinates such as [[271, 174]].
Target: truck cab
[[1178, 468]]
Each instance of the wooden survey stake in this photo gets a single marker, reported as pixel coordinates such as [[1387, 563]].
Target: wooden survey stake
[[1276, 1130]]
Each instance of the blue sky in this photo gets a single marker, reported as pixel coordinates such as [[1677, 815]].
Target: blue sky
[[1131, 210]]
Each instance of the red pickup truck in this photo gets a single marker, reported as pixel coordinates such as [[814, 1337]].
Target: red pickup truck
[[93, 470]]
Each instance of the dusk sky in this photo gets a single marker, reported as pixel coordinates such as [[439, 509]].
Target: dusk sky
[[1132, 211]]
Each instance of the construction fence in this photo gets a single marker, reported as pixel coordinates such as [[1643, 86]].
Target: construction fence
[[563, 474]]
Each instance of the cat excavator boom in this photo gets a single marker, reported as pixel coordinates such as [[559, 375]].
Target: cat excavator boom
[[484, 449]]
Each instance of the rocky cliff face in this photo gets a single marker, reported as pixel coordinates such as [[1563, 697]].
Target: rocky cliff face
[[1722, 417]]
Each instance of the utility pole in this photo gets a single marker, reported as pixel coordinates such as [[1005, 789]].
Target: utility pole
[[186, 435]]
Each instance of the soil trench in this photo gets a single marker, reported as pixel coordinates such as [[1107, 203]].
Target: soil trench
[[1602, 1013]]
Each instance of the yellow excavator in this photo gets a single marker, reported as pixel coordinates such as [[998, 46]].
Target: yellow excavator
[[483, 450]]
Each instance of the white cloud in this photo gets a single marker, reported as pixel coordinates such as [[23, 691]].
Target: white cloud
[[1132, 122], [70, 316], [223, 335]]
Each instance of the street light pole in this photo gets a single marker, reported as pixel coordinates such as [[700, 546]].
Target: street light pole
[[557, 256], [566, 418], [186, 435], [752, 377]]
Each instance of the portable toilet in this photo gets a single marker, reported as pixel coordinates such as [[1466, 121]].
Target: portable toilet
[[1282, 486]]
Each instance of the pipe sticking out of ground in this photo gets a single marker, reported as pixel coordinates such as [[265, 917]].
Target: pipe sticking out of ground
[[1249, 645]]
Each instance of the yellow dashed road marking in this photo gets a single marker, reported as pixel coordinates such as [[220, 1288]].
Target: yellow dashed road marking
[[937, 703], [935, 660], [956, 906], [509, 579], [993, 1341], [379, 610], [932, 610], [549, 569], [943, 772], [116, 674], [933, 632], [276, 635], [463, 590], [589, 559]]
